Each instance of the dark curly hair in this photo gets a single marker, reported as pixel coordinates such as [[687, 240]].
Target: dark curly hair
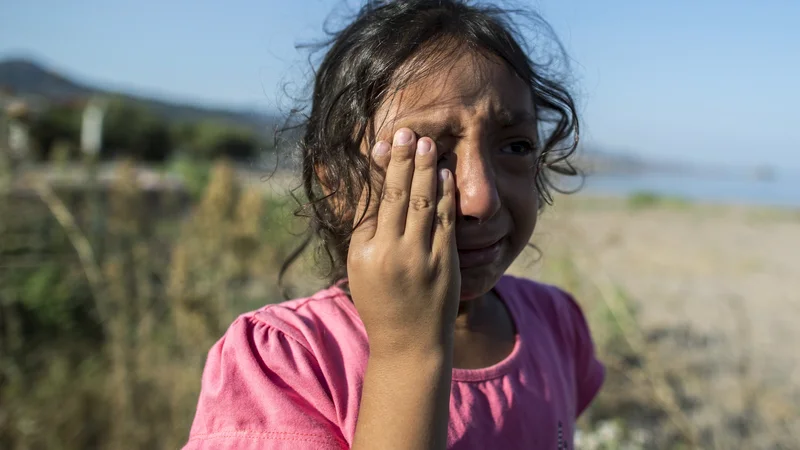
[[360, 70]]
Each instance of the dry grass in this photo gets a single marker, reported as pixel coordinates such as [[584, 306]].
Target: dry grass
[[679, 376], [159, 299], [104, 333]]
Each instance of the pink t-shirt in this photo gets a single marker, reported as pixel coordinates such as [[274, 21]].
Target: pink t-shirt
[[289, 376]]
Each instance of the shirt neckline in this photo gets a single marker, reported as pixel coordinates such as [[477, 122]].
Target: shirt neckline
[[497, 370], [508, 363]]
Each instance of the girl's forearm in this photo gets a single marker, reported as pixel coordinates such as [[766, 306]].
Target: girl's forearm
[[405, 402]]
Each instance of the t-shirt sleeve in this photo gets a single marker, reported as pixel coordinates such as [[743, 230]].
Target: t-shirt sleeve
[[262, 389], [589, 371]]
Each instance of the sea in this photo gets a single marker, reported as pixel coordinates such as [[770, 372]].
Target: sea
[[780, 190]]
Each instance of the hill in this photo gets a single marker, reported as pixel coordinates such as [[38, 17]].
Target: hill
[[40, 85], [27, 79]]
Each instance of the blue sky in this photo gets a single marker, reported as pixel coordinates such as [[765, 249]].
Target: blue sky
[[712, 81]]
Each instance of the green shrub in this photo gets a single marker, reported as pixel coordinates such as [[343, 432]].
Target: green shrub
[[648, 199]]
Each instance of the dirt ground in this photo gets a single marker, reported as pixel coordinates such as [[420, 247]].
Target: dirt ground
[[716, 289], [722, 281]]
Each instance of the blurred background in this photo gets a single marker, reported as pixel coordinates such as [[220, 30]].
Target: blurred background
[[144, 203]]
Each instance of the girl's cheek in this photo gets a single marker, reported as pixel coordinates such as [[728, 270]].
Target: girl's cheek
[[516, 166]]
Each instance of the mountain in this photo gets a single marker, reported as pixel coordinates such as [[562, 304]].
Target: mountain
[[593, 159], [590, 159], [29, 80], [24, 78]]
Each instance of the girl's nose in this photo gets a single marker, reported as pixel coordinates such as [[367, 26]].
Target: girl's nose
[[476, 185]]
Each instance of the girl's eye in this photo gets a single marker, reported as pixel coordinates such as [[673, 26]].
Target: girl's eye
[[518, 148]]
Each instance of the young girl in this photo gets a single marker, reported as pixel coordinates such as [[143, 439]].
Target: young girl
[[426, 158]]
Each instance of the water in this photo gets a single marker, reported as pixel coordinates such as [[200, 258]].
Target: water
[[782, 191]]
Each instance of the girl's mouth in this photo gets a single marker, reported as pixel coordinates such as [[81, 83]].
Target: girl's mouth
[[479, 256]]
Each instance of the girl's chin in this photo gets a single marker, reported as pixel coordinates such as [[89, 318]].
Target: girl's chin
[[475, 284]]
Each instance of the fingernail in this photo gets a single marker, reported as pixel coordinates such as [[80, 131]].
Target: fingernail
[[381, 148], [444, 174], [423, 146], [402, 137]]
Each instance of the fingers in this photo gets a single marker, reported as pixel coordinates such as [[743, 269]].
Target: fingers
[[396, 186], [412, 200], [444, 229], [422, 199], [365, 222]]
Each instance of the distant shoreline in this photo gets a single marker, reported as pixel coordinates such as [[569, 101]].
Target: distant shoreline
[[780, 193]]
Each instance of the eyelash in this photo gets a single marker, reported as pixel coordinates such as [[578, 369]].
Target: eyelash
[[528, 147]]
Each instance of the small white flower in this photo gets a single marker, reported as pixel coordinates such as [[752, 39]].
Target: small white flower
[[608, 432]]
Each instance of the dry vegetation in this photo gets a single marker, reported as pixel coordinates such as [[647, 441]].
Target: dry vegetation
[[105, 319], [692, 307]]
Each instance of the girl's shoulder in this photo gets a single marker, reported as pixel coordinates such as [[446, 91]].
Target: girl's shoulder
[[534, 304], [328, 315], [306, 350], [543, 299], [545, 311]]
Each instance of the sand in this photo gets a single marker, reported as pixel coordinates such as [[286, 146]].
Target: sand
[[722, 281]]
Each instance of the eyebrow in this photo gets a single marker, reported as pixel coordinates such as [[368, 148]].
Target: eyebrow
[[507, 118], [435, 128]]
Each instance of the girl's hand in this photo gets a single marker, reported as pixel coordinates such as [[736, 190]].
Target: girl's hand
[[405, 281], [402, 263]]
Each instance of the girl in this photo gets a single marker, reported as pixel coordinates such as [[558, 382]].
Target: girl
[[426, 159]]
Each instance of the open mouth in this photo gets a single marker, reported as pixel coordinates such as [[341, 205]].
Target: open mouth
[[479, 256]]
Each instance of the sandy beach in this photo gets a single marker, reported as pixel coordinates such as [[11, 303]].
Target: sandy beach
[[711, 293], [716, 288]]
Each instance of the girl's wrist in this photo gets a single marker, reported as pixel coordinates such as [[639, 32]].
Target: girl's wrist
[[413, 365], [413, 346]]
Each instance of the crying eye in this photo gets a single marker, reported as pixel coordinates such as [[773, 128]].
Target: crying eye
[[518, 148]]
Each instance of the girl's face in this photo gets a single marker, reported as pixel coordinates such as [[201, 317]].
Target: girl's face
[[481, 117]]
